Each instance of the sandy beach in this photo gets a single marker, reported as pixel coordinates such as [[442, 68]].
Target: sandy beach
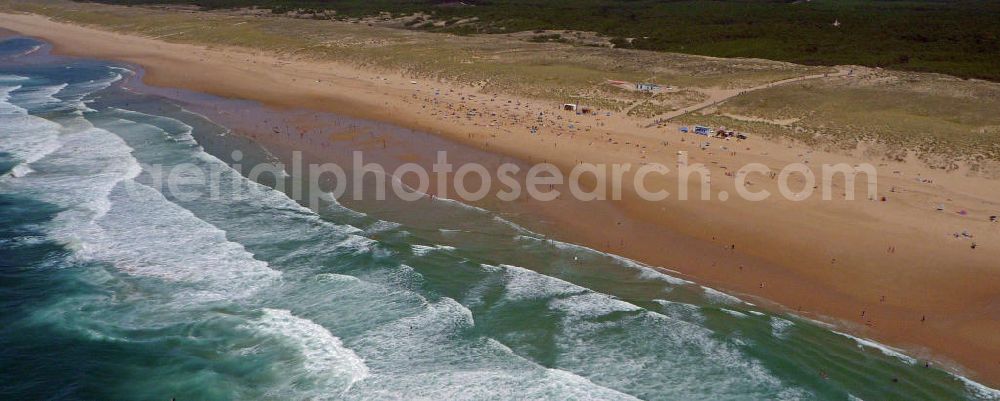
[[890, 270]]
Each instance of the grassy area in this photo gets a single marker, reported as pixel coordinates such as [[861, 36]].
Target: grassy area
[[665, 102], [957, 37], [553, 71], [938, 119]]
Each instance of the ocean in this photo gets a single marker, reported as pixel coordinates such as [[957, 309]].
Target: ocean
[[114, 289]]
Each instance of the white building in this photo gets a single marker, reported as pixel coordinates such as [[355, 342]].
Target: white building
[[647, 87]]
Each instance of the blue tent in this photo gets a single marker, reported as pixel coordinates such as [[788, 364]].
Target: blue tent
[[684, 129]]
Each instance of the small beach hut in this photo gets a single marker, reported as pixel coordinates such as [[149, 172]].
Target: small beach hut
[[702, 130], [569, 107], [646, 87]]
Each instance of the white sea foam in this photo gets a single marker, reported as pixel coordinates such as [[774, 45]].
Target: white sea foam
[[681, 311], [90, 163], [718, 296], [35, 97], [75, 94], [566, 378], [108, 217], [462, 205], [173, 129], [144, 234], [885, 349], [122, 70], [26, 137], [590, 305], [33, 49], [978, 390], [733, 313], [96, 85], [650, 273], [513, 225], [265, 196], [335, 278], [663, 354], [425, 357], [414, 336], [780, 327], [325, 357], [645, 271], [672, 344], [20, 170], [491, 383], [337, 207], [12, 78], [523, 284], [423, 250], [357, 244], [380, 227]]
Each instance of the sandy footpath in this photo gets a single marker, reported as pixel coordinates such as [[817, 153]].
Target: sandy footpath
[[893, 271]]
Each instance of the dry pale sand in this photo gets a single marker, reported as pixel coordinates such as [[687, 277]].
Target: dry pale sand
[[825, 259]]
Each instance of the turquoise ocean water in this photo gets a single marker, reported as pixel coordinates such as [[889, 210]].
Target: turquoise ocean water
[[113, 289]]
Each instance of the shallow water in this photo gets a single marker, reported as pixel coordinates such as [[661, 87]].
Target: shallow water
[[114, 289]]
